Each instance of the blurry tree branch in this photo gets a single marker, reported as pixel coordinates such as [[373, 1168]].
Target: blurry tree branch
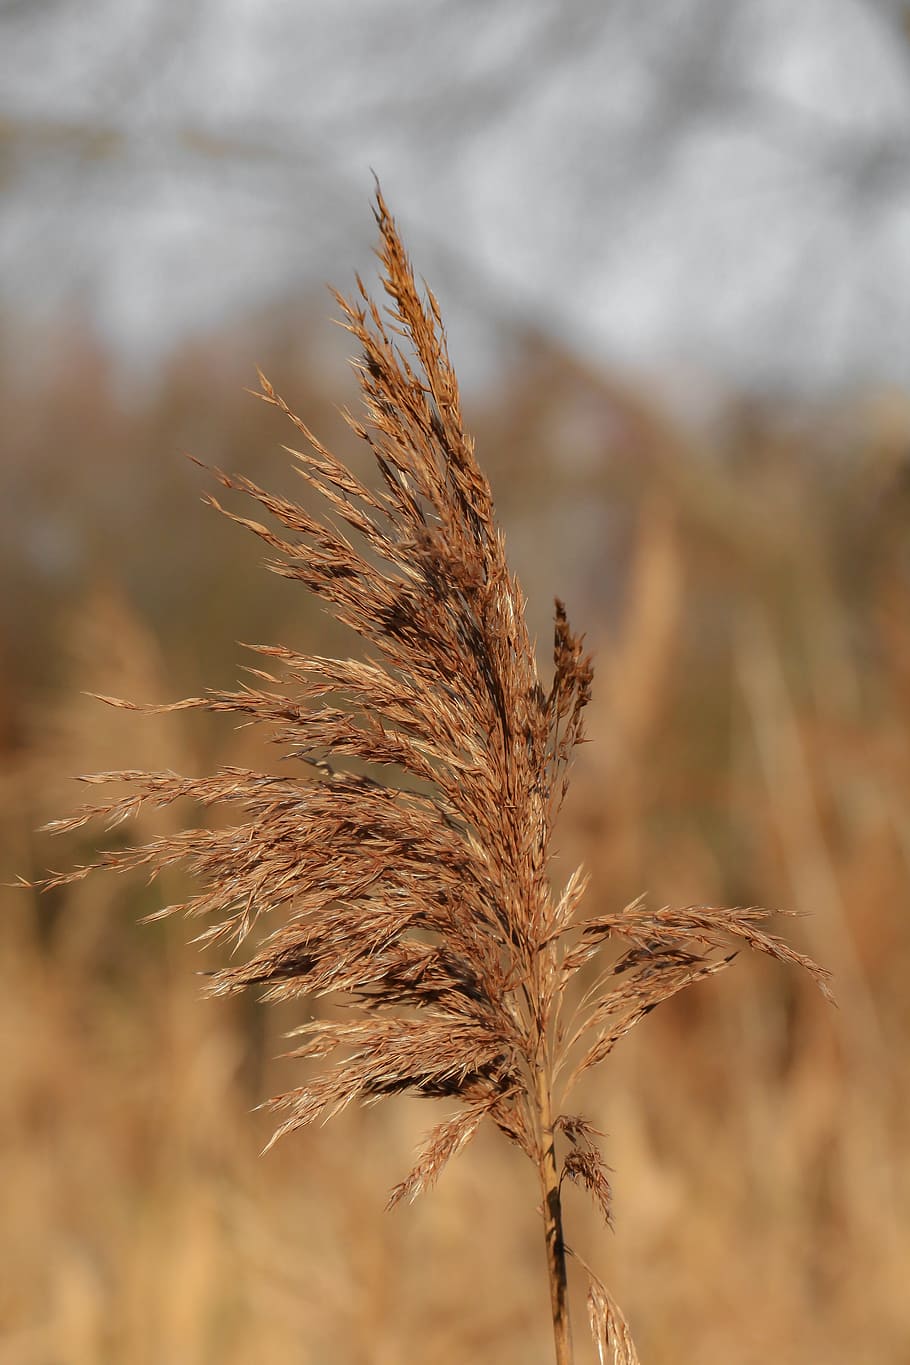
[[129, 108]]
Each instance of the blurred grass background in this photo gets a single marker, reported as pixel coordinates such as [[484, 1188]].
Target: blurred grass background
[[711, 195], [746, 585]]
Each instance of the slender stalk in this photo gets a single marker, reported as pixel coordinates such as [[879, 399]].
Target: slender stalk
[[552, 1214]]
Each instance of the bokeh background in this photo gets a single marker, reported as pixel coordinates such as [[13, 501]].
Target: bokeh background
[[672, 242]]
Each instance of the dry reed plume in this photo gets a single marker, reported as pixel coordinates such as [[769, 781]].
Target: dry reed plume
[[403, 868]]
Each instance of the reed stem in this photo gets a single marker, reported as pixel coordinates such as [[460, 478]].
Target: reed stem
[[552, 1214]]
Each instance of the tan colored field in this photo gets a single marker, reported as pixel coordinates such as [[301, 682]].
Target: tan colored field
[[749, 602]]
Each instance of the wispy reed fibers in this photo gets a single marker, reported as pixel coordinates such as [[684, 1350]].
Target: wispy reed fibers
[[401, 866]]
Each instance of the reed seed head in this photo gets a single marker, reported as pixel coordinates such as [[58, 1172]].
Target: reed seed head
[[401, 865]]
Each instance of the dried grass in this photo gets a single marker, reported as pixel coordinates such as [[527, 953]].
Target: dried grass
[[402, 868]]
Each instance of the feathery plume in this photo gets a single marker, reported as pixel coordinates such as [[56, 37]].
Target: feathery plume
[[401, 866]]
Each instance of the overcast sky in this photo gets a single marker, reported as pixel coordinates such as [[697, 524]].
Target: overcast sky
[[714, 188]]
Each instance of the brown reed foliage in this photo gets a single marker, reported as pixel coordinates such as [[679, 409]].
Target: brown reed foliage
[[402, 869]]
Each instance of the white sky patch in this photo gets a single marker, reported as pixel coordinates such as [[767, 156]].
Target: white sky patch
[[691, 183]]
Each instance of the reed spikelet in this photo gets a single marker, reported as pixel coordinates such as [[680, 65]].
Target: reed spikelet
[[402, 865]]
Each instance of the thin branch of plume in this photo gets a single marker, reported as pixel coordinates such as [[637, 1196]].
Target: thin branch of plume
[[401, 867]]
